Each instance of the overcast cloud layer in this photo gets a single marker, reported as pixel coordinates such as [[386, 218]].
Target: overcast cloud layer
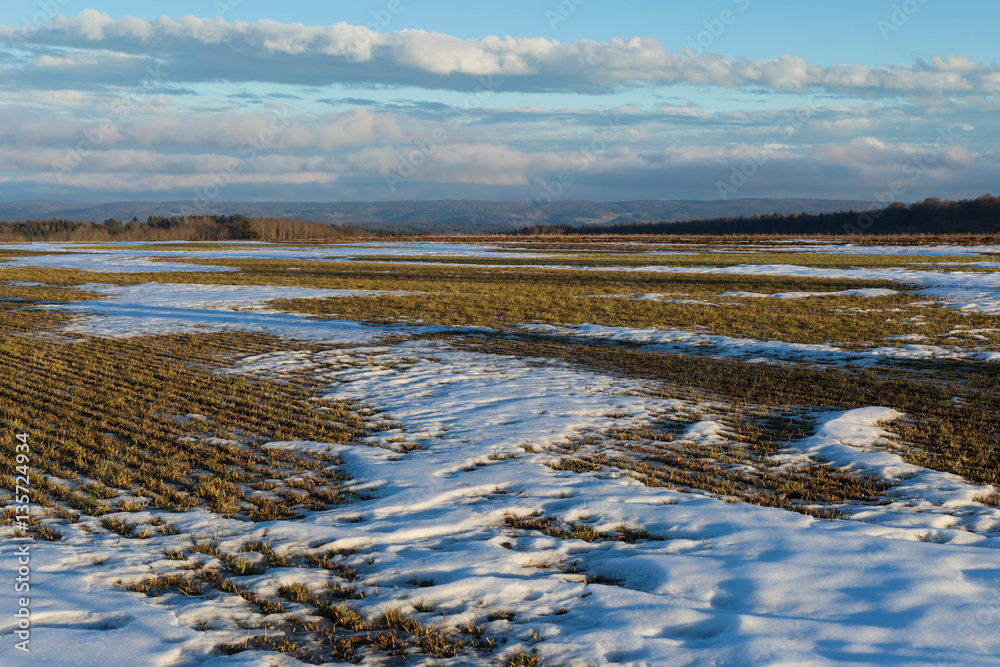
[[98, 109]]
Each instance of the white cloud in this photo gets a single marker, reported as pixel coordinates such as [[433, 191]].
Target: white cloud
[[861, 125], [196, 49]]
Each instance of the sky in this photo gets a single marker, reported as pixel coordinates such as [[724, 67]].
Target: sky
[[523, 100]]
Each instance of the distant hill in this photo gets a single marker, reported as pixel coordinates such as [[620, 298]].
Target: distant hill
[[929, 217], [444, 216]]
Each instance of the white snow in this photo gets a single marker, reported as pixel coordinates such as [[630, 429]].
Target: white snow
[[731, 584], [973, 291], [155, 308], [868, 293], [107, 262], [923, 498], [679, 340], [82, 256], [158, 308], [812, 247], [913, 580], [979, 292]]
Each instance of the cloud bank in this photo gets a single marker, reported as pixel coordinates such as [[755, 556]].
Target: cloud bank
[[92, 47], [95, 107]]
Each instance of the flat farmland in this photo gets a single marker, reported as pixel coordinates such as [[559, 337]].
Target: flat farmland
[[504, 453]]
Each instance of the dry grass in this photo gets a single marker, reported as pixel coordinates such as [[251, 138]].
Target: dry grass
[[847, 320], [610, 257], [330, 627], [942, 435], [576, 530], [468, 296], [109, 419], [447, 279], [475, 296], [738, 469], [344, 631]]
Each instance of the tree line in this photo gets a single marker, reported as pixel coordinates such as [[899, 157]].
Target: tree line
[[184, 228], [929, 217]]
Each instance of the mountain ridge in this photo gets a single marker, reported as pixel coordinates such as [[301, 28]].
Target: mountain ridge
[[445, 216]]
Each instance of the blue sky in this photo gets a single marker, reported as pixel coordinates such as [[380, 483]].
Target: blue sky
[[827, 33], [298, 100]]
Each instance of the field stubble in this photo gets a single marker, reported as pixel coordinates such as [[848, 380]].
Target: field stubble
[[123, 427]]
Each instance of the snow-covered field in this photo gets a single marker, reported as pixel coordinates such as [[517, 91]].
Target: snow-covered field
[[909, 579]]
